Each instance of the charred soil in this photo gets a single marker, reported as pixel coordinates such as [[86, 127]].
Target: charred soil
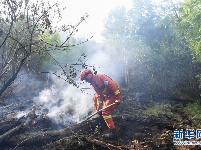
[[141, 124]]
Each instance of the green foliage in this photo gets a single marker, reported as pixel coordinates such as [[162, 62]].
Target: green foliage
[[190, 25], [160, 109], [194, 110], [158, 60], [51, 38], [115, 27], [155, 110], [189, 30], [24, 40]]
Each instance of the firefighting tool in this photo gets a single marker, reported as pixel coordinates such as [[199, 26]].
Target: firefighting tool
[[115, 103]]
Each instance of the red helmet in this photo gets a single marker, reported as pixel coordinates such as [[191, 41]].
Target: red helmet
[[86, 74]]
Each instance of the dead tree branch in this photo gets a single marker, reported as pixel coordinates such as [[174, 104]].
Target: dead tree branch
[[9, 133]]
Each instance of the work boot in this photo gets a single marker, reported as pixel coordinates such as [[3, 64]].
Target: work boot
[[101, 124], [110, 135]]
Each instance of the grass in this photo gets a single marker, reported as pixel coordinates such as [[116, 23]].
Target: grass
[[194, 110], [163, 109], [158, 109]]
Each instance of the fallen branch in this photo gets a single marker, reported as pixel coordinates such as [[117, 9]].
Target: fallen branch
[[9, 133], [114, 147], [7, 125], [105, 144], [4, 107]]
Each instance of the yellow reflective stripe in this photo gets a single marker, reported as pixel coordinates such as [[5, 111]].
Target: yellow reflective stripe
[[107, 117], [116, 92], [105, 89], [99, 102]]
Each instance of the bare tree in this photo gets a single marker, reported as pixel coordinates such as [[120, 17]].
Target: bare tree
[[22, 27]]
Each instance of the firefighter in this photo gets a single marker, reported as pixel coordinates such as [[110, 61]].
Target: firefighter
[[107, 92]]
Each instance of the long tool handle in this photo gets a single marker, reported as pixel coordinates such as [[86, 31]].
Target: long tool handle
[[100, 110]]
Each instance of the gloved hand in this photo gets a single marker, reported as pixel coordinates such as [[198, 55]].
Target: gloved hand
[[117, 102]]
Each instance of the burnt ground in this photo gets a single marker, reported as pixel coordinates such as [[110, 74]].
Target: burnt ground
[[142, 124]]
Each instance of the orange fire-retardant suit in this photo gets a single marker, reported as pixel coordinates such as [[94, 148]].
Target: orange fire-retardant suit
[[107, 92]]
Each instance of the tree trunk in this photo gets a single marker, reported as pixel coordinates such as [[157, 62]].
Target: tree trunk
[[13, 77]]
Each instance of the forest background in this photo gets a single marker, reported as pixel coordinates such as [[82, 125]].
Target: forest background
[[150, 48]]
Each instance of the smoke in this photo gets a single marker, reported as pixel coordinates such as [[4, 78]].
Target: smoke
[[106, 60], [64, 103], [53, 102], [107, 64], [26, 83], [67, 104]]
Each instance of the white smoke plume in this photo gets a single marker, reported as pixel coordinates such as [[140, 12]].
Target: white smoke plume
[[65, 103], [106, 63]]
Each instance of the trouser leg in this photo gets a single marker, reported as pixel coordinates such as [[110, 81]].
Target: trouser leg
[[107, 113]]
